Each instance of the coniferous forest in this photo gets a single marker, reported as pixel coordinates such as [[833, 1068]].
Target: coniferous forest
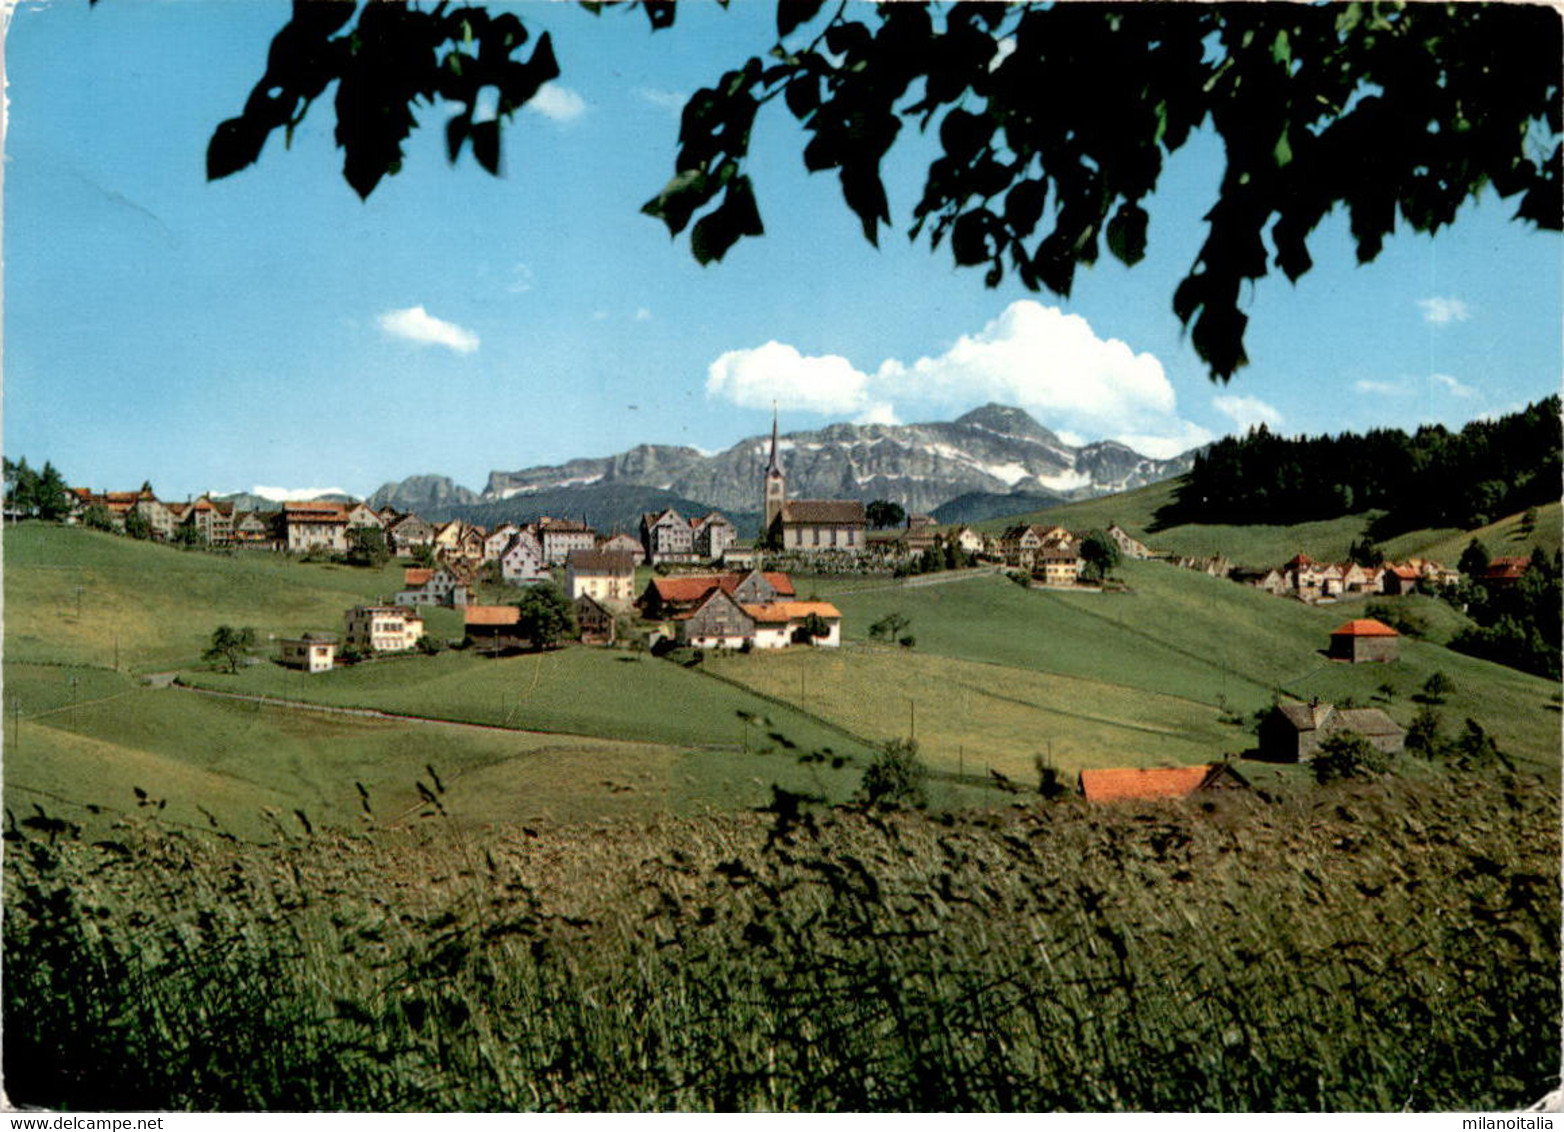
[[1431, 478]]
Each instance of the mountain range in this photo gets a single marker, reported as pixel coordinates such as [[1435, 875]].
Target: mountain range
[[995, 460]]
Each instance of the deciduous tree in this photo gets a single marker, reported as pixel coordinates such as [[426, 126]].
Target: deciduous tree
[[547, 617], [229, 646]]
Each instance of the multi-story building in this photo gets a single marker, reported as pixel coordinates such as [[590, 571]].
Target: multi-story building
[[606, 575], [382, 628], [315, 526]]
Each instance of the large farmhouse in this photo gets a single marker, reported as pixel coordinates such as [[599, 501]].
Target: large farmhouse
[[680, 594], [722, 621]]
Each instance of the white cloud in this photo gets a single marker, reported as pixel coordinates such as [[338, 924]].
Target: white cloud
[[1005, 48], [778, 372], [558, 103], [294, 494], [599, 316], [1038, 358], [668, 100], [643, 315], [1451, 385], [1388, 388], [1246, 411], [417, 325], [1441, 311]]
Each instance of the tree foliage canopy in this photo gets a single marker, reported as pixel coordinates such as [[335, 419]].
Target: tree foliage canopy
[[36, 493], [547, 616], [1053, 122]]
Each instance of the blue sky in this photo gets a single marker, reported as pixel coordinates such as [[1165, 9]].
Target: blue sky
[[271, 329]]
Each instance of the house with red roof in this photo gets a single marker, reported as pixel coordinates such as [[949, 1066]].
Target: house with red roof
[[441, 585], [1142, 784], [682, 593], [315, 525], [1502, 573]]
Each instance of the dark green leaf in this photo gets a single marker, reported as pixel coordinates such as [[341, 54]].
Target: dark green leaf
[[680, 198], [969, 237], [792, 14], [486, 145], [721, 228], [659, 13], [1127, 234], [235, 144], [802, 95], [456, 131]]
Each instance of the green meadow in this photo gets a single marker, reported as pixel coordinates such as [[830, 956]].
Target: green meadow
[[85, 597], [1176, 637], [251, 770]]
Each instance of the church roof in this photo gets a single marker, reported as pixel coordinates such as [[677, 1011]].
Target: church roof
[[848, 511]]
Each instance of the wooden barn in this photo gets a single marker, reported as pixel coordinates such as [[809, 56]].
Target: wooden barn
[[1364, 639], [1293, 732]]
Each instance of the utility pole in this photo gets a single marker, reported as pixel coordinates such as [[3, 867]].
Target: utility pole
[[79, 590], [912, 718]]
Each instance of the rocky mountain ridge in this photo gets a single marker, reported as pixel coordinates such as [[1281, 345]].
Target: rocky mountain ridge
[[995, 449]]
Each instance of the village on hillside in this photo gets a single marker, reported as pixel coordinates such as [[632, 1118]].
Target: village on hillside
[[691, 583]]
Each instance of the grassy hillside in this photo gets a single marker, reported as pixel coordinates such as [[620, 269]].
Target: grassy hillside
[[1184, 635], [1504, 537], [226, 764], [79, 596], [973, 717], [585, 691]]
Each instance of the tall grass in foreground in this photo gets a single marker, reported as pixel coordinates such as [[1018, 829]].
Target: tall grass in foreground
[[1381, 946]]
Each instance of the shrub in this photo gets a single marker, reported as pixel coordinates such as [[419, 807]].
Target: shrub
[[1423, 735], [896, 777], [1437, 687], [1348, 755]]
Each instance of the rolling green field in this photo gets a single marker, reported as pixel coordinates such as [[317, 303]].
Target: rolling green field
[[228, 764], [584, 691], [970, 717], [1178, 634], [85, 597]]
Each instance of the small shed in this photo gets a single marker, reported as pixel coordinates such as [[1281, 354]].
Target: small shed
[[1364, 639], [1146, 783], [494, 628]]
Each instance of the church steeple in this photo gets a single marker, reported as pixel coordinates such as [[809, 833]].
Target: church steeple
[[773, 467], [775, 493]]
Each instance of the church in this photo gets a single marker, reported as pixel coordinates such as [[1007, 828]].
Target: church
[[809, 526]]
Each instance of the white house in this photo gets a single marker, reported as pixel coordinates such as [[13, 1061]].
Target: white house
[[522, 561]]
